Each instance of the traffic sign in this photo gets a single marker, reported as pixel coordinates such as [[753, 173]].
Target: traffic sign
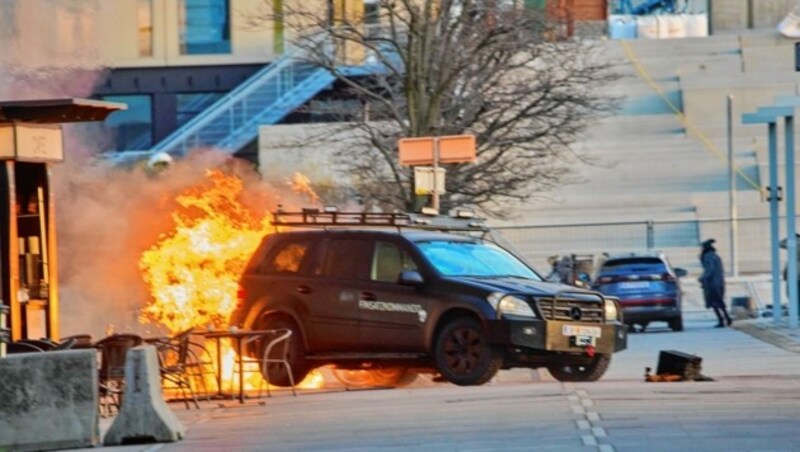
[[424, 180], [422, 150]]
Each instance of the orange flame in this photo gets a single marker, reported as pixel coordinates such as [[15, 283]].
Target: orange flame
[[302, 185], [193, 271]]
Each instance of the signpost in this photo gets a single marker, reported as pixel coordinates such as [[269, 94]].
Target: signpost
[[434, 151]]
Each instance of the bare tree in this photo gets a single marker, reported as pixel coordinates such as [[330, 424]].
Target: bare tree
[[491, 68]]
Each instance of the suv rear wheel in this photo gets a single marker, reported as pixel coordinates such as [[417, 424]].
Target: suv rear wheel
[[590, 371], [676, 324], [275, 372], [389, 377], [463, 355]]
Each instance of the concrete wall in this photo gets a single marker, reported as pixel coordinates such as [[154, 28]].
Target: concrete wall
[[286, 149], [48, 400], [92, 32]]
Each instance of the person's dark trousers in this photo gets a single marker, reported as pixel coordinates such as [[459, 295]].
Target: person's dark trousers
[[722, 317]]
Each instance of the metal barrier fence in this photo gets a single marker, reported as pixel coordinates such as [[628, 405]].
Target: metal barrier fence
[[679, 240]]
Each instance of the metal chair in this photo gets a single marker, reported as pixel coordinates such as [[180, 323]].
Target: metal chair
[[82, 341], [275, 356], [42, 344], [13, 348], [113, 351], [176, 362]]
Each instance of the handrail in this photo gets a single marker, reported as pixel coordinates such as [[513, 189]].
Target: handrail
[[220, 106], [234, 96], [298, 87]]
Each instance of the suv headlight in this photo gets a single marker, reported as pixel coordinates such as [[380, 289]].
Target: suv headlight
[[511, 305], [611, 309]]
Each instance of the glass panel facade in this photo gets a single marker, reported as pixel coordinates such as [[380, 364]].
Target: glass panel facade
[[132, 128], [190, 105], [205, 27]]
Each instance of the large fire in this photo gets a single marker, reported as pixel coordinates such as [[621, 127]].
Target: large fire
[[193, 271]]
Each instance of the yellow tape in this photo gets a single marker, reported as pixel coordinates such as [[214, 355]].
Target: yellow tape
[[681, 117]]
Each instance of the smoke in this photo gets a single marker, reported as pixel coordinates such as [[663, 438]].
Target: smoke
[[50, 48], [106, 216]]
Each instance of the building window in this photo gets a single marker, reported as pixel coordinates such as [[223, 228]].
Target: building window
[[132, 128], [190, 105], [144, 19], [205, 27], [372, 12]]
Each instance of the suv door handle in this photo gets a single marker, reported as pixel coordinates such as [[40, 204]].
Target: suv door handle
[[304, 289], [368, 296]]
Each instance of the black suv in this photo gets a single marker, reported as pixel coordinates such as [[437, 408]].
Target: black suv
[[405, 297]]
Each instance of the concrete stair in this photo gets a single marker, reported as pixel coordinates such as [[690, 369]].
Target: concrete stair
[[649, 167]]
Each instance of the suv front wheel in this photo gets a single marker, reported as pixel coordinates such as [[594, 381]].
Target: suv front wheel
[[590, 371], [463, 355]]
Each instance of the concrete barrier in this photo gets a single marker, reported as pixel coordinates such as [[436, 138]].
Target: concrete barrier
[[144, 416], [48, 401]]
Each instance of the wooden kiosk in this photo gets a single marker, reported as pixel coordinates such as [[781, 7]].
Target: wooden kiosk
[[30, 142]]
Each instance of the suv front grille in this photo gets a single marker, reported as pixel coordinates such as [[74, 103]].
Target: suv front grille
[[567, 309]]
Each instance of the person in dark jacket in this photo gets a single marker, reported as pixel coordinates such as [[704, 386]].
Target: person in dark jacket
[[713, 282]]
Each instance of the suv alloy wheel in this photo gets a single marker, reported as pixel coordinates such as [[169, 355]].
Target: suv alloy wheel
[[463, 355]]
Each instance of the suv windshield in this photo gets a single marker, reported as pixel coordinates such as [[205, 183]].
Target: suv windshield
[[462, 258]]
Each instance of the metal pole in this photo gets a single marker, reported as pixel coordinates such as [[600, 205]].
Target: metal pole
[[435, 193], [732, 194], [773, 221], [791, 237]]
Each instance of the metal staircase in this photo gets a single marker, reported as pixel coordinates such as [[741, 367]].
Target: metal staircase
[[232, 122], [265, 98]]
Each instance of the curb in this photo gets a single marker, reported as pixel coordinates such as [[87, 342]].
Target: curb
[[770, 334]]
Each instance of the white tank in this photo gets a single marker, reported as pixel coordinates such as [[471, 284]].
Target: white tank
[[676, 24], [663, 26], [647, 27], [697, 25], [621, 26]]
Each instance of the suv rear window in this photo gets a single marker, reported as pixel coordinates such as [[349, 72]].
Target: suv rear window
[[635, 265], [286, 257]]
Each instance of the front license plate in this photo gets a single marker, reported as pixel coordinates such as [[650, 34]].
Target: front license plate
[[579, 330]]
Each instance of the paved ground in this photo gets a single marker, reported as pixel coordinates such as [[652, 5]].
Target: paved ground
[[753, 404]]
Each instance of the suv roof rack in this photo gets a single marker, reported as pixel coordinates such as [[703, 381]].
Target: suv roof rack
[[327, 217]]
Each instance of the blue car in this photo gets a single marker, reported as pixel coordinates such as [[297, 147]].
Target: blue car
[[647, 286]]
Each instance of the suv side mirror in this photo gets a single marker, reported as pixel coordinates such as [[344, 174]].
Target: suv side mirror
[[411, 278], [680, 272]]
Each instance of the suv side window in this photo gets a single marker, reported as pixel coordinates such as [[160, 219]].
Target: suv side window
[[347, 259], [388, 261], [286, 257]]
